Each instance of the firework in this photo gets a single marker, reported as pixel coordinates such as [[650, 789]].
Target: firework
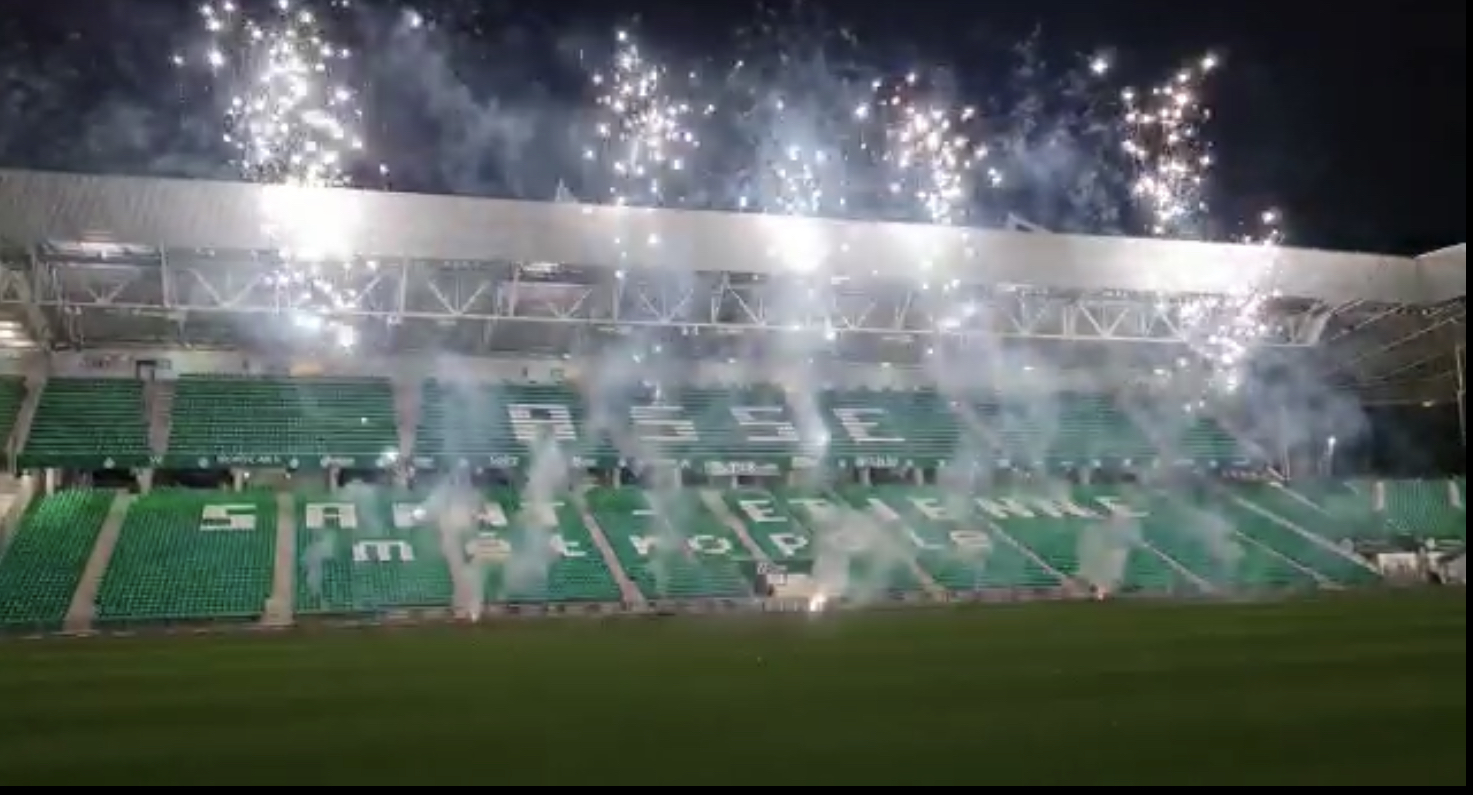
[[292, 125], [1163, 137], [644, 132], [932, 151]]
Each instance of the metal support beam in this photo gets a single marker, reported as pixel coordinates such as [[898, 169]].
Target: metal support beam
[[500, 306]]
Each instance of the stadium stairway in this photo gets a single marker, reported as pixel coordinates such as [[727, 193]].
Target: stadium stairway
[[711, 498], [852, 552], [628, 591], [1310, 532], [29, 391], [83, 609], [407, 400], [282, 603], [190, 554], [44, 561], [716, 503], [16, 494], [893, 522], [669, 545], [539, 555], [12, 398], [158, 402], [944, 529]]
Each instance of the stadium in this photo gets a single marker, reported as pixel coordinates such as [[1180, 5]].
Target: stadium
[[472, 411]]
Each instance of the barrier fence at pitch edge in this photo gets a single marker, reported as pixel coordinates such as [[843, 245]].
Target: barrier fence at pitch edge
[[497, 613]]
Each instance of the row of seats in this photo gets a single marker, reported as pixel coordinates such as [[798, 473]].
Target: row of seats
[[191, 554], [223, 420], [84, 422], [279, 419], [43, 562]]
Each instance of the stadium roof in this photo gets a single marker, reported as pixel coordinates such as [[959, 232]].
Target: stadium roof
[[41, 207], [125, 261]]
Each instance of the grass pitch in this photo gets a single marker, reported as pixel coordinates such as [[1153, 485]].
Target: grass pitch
[[1356, 690]]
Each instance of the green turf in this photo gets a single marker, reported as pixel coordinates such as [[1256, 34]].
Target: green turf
[[1366, 690]]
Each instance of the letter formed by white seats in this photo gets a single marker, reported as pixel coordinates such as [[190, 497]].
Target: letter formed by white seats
[[761, 510], [765, 424], [855, 421], [533, 422], [382, 550], [710, 545], [217, 518], [663, 424], [327, 515]]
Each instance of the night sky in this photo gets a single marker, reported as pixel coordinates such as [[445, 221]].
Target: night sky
[[1351, 119]]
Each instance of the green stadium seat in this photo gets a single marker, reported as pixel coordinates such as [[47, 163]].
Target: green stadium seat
[[754, 430], [1005, 539], [669, 543], [388, 552], [191, 555], [364, 550], [540, 559], [41, 567], [853, 553], [88, 423], [1200, 533], [470, 422], [1424, 509], [1306, 516], [227, 420], [891, 428]]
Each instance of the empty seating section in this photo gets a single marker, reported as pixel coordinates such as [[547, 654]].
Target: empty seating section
[[1196, 532], [752, 424], [1302, 523], [12, 394], [1094, 537], [190, 554], [917, 427], [848, 552], [534, 414], [1350, 508], [274, 420], [463, 421], [1205, 440], [1425, 509], [669, 544], [1066, 427], [43, 563], [369, 550], [758, 425], [538, 552], [1259, 513], [83, 421], [699, 424]]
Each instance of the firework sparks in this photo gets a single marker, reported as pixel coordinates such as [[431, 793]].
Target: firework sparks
[[930, 152], [646, 133], [1164, 139], [287, 120], [293, 126], [1269, 230]]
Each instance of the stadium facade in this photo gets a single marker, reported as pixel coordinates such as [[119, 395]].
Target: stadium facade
[[536, 404]]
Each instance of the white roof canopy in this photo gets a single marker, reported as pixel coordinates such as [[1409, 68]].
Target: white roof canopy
[[179, 214]]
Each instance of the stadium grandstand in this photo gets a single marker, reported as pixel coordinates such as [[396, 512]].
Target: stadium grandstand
[[528, 407]]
